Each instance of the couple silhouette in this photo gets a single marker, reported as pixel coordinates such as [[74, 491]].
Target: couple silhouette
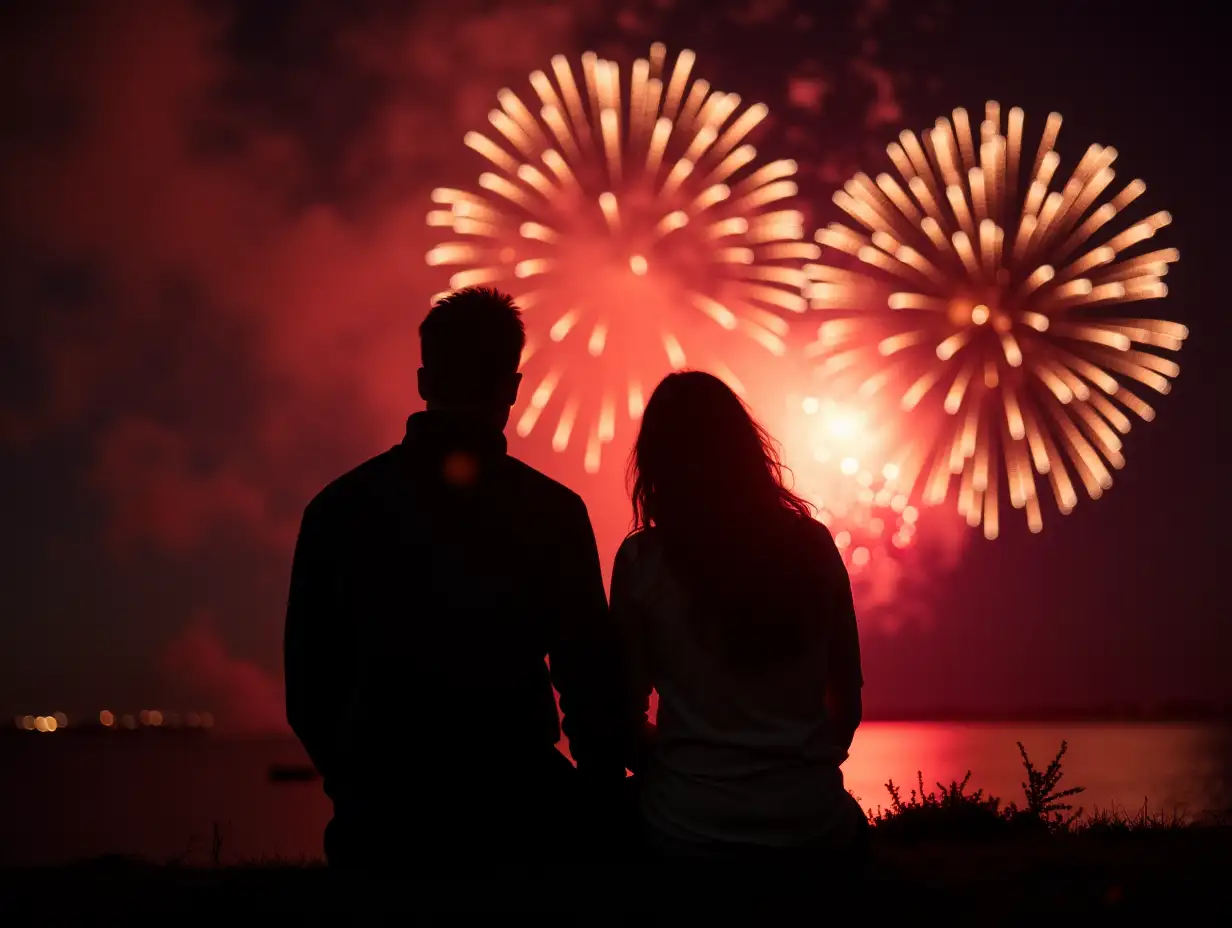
[[430, 583]]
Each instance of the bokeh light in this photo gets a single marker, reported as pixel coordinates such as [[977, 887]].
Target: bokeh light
[[836, 454]]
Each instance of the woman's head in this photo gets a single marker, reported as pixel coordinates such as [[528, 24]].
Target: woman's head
[[700, 456], [707, 478]]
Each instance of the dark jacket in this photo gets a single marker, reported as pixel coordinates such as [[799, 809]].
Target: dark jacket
[[428, 586]]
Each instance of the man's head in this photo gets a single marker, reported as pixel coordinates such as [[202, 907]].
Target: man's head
[[471, 343]]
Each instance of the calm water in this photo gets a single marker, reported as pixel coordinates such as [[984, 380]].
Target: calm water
[[72, 797]]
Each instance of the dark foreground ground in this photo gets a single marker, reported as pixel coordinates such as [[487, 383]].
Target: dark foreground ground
[[946, 855], [1172, 872]]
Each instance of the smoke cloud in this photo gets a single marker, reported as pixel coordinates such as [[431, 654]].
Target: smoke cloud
[[902, 589], [213, 230], [200, 671]]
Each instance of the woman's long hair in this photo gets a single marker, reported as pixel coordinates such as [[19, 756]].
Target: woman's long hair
[[708, 478]]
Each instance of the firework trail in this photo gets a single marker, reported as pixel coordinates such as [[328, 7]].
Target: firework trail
[[985, 308], [630, 220]]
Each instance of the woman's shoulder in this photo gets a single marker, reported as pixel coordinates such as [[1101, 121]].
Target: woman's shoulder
[[808, 529], [815, 537], [639, 563], [639, 545]]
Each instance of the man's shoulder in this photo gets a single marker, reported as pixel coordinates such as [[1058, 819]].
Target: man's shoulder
[[365, 480], [541, 488]]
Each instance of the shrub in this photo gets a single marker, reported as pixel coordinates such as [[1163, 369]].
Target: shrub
[[953, 813]]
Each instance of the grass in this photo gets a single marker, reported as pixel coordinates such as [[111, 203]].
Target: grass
[[952, 813], [950, 852]]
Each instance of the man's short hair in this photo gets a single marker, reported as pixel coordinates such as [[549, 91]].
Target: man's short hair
[[471, 343]]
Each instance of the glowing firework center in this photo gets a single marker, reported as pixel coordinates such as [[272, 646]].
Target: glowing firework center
[[838, 462]]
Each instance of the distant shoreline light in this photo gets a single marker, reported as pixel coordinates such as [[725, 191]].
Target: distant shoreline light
[[146, 718]]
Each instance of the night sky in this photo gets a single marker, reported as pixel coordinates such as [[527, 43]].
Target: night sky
[[211, 274]]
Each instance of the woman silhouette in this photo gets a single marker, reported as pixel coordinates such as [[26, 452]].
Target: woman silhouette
[[735, 605]]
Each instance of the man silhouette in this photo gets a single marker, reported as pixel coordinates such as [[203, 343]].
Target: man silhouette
[[428, 585]]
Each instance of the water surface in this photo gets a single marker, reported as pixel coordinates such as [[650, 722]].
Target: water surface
[[160, 797]]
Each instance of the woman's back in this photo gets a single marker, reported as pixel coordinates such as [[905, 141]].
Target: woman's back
[[735, 605], [747, 747]]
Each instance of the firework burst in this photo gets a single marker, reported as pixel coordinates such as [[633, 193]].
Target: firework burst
[[1004, 337], [630, 220]]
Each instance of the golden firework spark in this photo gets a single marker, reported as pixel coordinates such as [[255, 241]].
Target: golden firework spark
[[630, 220], [1003, 337]]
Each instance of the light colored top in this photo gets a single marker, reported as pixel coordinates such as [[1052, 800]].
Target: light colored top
[[738, 757]]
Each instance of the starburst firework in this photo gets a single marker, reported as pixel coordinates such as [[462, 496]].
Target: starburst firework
[[983, 309], [633, 225]]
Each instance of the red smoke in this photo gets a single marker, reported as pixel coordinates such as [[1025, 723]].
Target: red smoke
[[221, 285], [144, 469], [242, 696]]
